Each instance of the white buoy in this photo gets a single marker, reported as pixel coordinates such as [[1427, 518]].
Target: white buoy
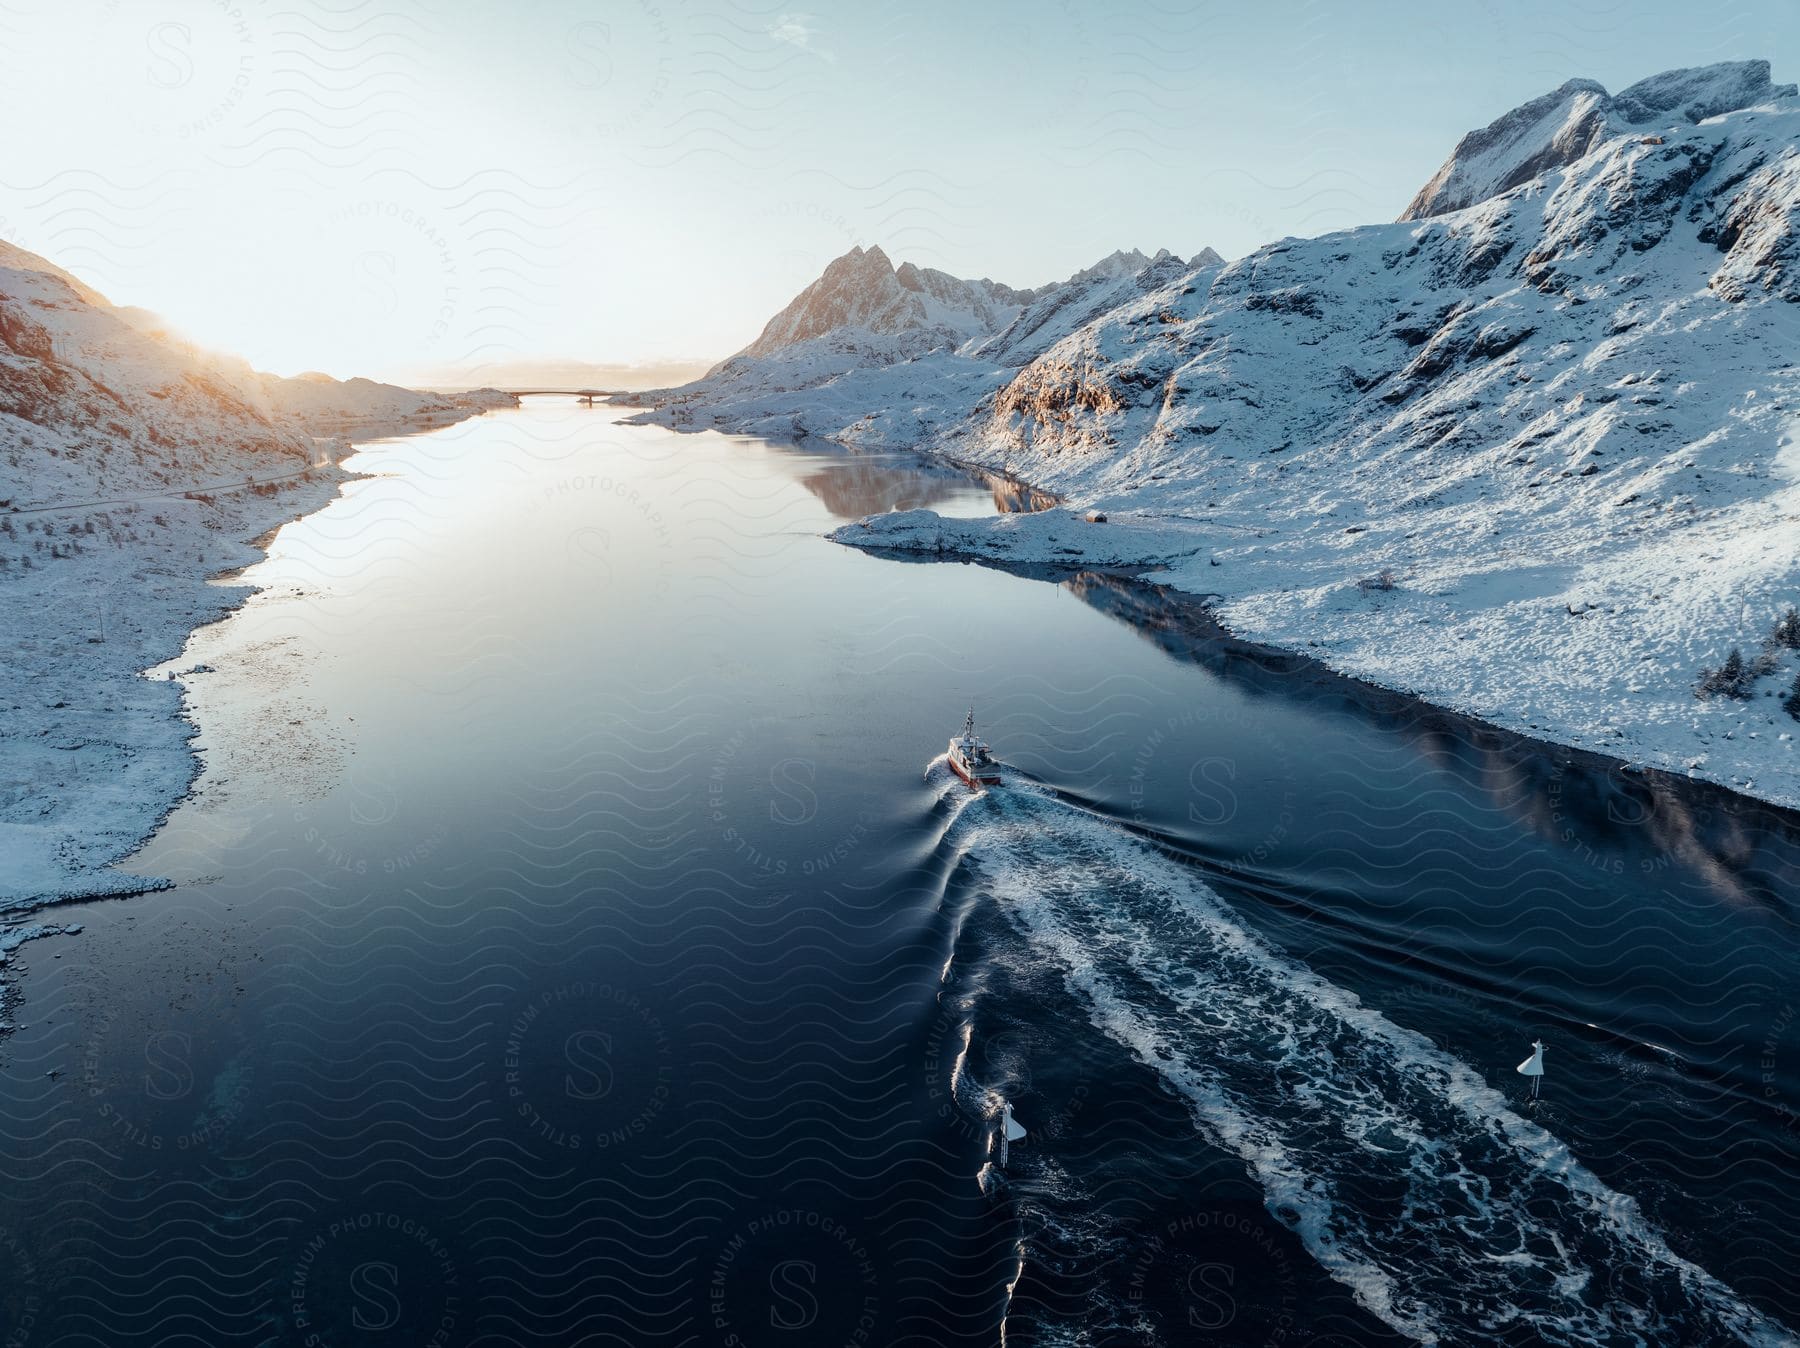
[[1533, 1066], [1014, 1129]]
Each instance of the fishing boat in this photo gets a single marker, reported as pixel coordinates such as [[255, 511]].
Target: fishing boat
[[970, 757]]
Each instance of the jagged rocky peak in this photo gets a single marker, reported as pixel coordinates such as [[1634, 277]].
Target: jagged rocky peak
[[862, 290], [1124, 262], [954, 290], [1561, 126], [870, 261], [1128, 262]]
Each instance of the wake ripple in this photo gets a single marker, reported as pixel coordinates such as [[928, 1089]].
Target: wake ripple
[[1407, 1177]]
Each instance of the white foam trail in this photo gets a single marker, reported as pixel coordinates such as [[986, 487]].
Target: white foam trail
[[1488, 1226]]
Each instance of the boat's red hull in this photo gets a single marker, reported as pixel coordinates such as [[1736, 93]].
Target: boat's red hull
[[973, 779]]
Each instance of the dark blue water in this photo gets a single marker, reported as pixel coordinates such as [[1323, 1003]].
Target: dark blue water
[[576, 943]]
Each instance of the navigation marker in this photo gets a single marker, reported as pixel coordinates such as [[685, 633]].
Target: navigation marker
[[1533, 1066]]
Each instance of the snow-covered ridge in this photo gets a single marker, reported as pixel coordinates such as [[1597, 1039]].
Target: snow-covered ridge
[[133, 465], [1560, 127], [1534, 459]]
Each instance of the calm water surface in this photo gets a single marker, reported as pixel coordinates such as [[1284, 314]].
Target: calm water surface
[[577, 943]]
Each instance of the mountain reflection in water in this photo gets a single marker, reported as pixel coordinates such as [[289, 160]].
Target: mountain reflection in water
[[1631, 818], [852, 486]]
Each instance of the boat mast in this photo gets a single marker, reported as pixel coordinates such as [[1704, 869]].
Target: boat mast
[[969, 725]]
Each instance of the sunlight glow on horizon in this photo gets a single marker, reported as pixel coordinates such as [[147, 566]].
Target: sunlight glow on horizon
[[425, 194]]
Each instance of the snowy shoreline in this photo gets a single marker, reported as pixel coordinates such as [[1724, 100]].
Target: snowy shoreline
[[1745, 747], [106, 754], [98, 765]]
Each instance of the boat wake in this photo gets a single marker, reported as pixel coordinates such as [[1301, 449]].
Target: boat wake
[[1409, 1179]]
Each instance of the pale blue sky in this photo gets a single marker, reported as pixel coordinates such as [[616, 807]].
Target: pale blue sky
[[406, 187]]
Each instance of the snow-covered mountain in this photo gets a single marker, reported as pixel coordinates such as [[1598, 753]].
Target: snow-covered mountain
[[917, 309], [99, 399], [312, 401], [321, 403], [816, 365], [1533, 458], [1557, 129], [93, 400]]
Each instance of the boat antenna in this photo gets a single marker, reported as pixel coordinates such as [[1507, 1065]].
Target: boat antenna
[[969, 725], [1533, 1067]]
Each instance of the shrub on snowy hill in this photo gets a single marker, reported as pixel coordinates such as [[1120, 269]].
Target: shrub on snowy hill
[[1731, 679], [1787, 629]]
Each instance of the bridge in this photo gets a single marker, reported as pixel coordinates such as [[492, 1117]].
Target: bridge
[[587, 395]]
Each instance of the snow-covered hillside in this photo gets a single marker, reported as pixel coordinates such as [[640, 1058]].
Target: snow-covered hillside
[[1057, 310], [1534, 458], [320, 403], [97, 399], [313, 402], [1557, 129], [132, 467]]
